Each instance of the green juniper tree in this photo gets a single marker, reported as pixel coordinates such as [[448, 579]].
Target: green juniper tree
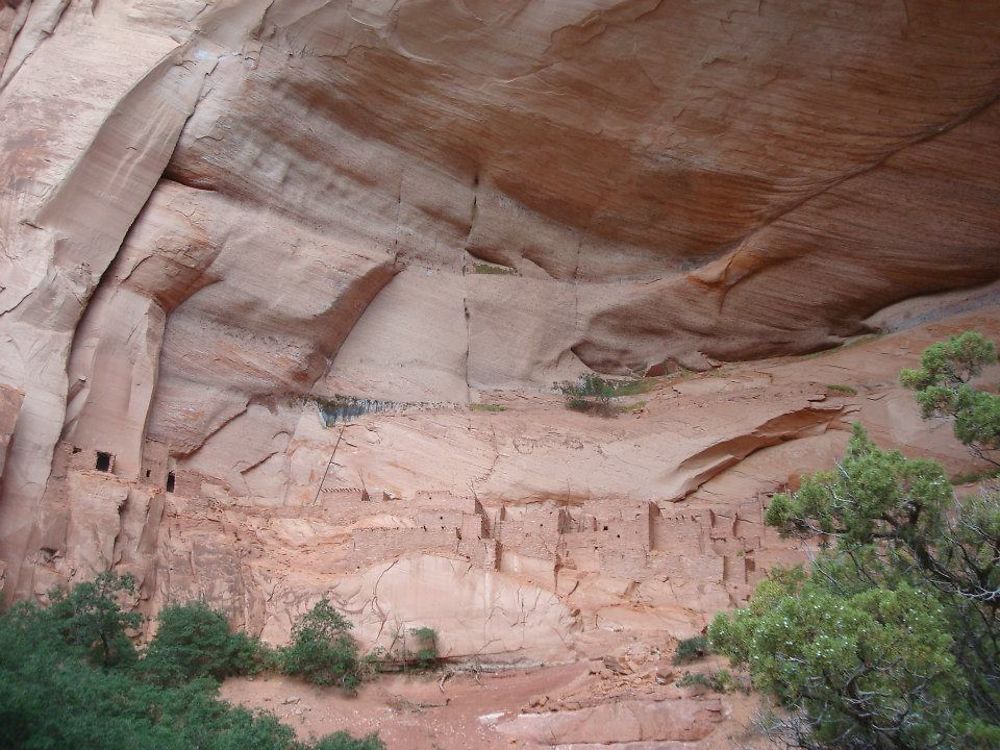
[[943, 386], [322, 650], [89, 615], [892, 641]]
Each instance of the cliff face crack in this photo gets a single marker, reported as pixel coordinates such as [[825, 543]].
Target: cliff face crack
[[468, 347], [375, 607]]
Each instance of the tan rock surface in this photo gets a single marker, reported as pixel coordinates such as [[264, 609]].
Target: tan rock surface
[[218, 219], [10, 407]]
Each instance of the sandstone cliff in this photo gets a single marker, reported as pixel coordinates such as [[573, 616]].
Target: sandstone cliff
[[218, 219]]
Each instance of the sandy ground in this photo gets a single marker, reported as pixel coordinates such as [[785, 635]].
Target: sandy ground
[[418, 712], [412, 712]]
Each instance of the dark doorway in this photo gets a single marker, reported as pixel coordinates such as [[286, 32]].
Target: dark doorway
[[171, 481], [103, 461]]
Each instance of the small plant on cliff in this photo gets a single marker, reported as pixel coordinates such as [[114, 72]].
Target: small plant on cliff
[[592, 394], [691, 649], [720, 681], [322, 650], [494, 269], [842, 390], [426, 639], [492, 408]]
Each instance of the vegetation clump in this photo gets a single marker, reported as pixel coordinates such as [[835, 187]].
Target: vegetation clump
[[842, 390], [68, 679], [426, 656], [322, 650], [691, 649], [490, 408], [494, 269], [414, 649], [969, 477], [720, 681], [193, 640], [592, 394]]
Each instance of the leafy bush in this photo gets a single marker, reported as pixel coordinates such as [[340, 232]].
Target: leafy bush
[[54, 696], [193, 640], [691, 649], [322, 650], [892, 641]]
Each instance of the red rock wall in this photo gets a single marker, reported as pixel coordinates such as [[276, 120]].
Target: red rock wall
[[215, 219]]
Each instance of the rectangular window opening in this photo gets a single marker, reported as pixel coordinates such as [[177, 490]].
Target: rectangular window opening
[[103, 461], [171, 481]]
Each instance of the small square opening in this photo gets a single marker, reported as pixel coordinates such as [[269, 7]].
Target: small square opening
[[171, 481], [103, 461]]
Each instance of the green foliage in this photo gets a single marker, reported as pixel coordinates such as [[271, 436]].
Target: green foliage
[[322, 650], [720, 681], [193, 640], [90, 616], [426, 656], [871, 495], [943, 390], [493, 408], [842, 390], [968, 477], [691, 649], [493, 269], [53, 695], [952, 362], [592, 394], [344, 741], [416, 649], [891, 641]]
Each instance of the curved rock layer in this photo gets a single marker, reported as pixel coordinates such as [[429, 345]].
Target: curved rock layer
[[220, 219]]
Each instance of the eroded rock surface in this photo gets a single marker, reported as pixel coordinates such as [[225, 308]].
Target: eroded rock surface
[[221, 222]]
